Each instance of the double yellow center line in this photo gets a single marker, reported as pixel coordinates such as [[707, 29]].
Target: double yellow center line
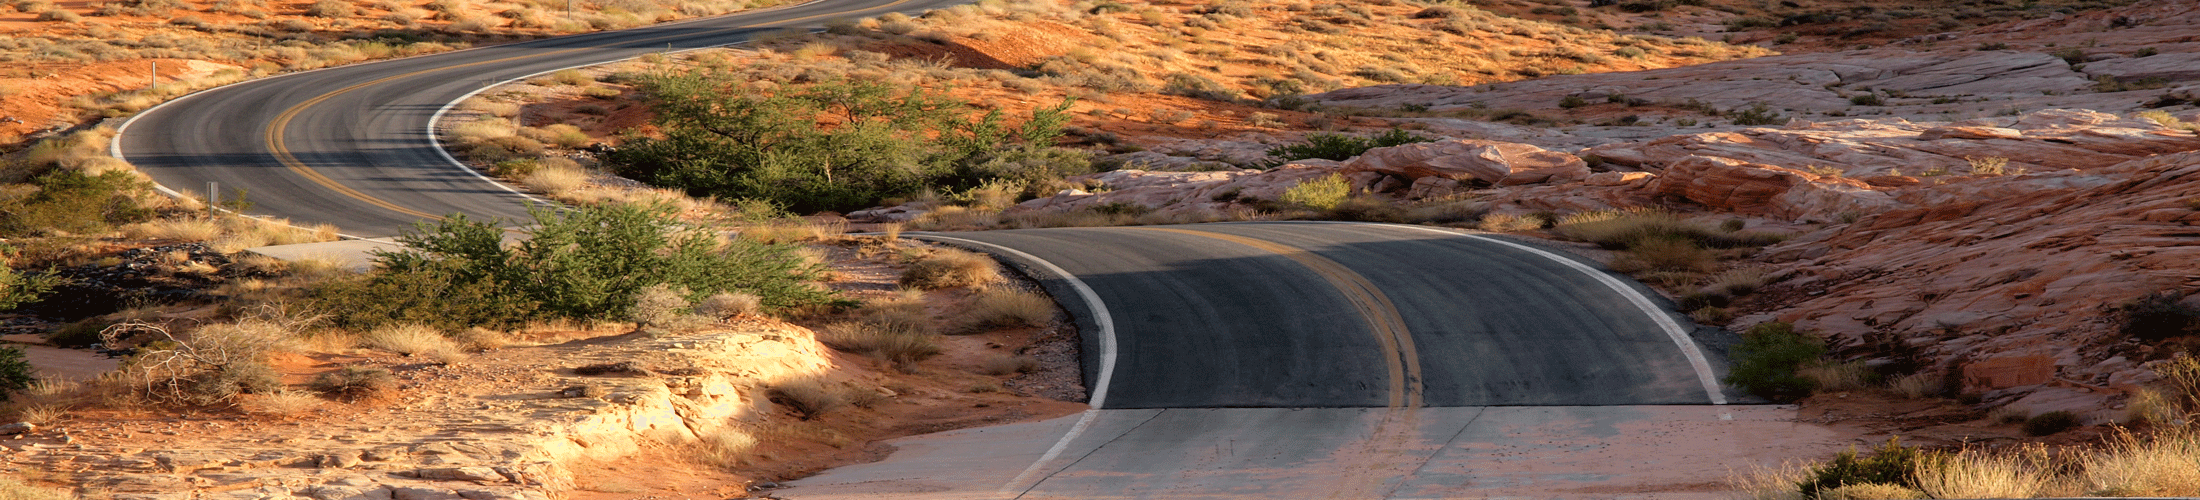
[[1400, 358], [281, 150]]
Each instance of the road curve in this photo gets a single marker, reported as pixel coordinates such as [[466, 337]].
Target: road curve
[[1299, 315], [348, 145], [1327, 360]]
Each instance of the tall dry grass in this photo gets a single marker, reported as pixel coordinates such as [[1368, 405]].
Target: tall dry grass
[[2163, 464], [2025, 473], [998, 307], [949, 268], [413, 340]]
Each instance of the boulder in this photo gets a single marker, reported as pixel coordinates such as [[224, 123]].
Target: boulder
[[1753, 188], [1500, 163]]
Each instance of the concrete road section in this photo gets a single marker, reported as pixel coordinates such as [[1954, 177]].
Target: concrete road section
[[1680, 452], [350, 146]]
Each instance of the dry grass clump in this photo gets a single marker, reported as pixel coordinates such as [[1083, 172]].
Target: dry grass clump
[[898, 330], [1761, 482], [1005, 364], [1916, 385], [560, 135], [356, 383], [954, 217], [557, 177], [1829, 376], [726, 305], [724, 446], [1975, 474], [2160, 465], [413, 340], [191, 229], [1511, 223], [1001, 307], [15, 489], [664, 306], [807, 397], [949, 268]]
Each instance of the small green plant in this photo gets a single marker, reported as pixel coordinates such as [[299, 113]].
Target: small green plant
[[355, 383], [1756, 114], [1991, 166], [2071, 55], [16, 373], [1571, 102], [1889, 464], [2144, 52], [1320, 194], [1765, 362], [2050, 423], [1869, 99], [1339, 147], [2159, 316]]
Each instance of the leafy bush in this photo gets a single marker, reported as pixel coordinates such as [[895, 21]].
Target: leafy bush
[[1339, 147], [725, 139], [74, 202], [16, 373], [2159, 316], [1756, 114], [2050, 423], [1890, 464], [1766, 360], [18, 289], [1321, 193], [585, 263]]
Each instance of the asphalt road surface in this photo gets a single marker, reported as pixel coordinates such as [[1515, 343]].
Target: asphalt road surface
[[349, 145], [1321, 360], [1305, 315]]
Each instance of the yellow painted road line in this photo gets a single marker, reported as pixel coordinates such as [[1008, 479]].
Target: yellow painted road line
[[1399, 356], [277, 146]]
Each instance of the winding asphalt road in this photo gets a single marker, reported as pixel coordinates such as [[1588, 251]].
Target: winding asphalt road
[[349, 145], [1343, 360], [1336, 360], [1305, 315]]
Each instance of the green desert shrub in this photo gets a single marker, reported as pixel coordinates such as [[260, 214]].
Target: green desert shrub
[[2050, 423], [1766, 361], [1339, 147], [724, 138], [583, 263], [1321, 193], [1891, 464]]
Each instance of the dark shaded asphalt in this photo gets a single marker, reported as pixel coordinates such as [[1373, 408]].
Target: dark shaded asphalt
[[369, 137], [1210, 322]]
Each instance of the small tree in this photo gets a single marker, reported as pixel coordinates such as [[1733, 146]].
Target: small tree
[[1765, 361], [16, 373], [584, 263]]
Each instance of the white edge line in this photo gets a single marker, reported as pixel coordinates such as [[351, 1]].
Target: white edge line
[[439, 112], [114, 146], [1106, 325], [1673, 330]]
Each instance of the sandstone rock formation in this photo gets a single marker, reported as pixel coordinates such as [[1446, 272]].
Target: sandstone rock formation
[[465, 439]]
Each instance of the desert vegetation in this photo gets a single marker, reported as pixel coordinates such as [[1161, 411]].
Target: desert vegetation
[[2152, 459]]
